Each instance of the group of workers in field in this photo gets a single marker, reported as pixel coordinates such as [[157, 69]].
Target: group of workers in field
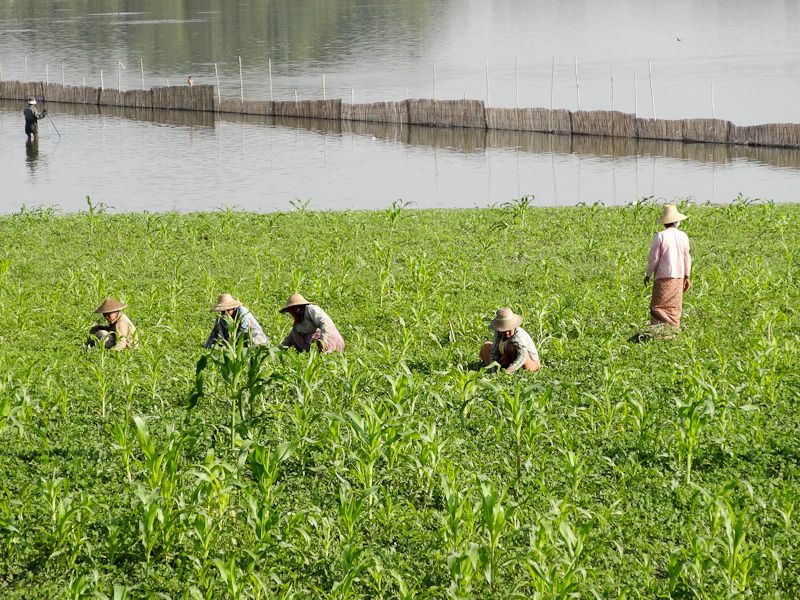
[[512, 348]]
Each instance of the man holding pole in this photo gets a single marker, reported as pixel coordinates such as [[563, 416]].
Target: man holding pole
[[32, 117]]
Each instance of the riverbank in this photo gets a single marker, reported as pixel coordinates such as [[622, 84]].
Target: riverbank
[[393, 469]]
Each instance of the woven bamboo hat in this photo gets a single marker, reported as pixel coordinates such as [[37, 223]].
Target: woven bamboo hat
[[505, 320], [670, 215], [225, 302], [294, 300], [31, 100], [110, 305]]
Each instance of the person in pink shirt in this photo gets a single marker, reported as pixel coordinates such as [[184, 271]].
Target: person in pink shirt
[[670, 266]]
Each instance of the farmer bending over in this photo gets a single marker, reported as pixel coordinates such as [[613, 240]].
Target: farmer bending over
[[232, 312], [512, 347], [119, 333], [311, 324], [32, 117]]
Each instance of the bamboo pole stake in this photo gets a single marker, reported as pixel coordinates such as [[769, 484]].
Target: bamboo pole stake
[[269, 61], [577, 84], [635, 95], [120, 66], [712, 101], [516, 84], [488, 92], [46, 74], [652, 93], [241, 81], [295, 96], [612, 86], [102, 86], [25, 69], [323, 87], [141, 69], [434, 81], [216, 75], [1, 71], [83, 80], [352, 96], [62, 73], [552, 88]]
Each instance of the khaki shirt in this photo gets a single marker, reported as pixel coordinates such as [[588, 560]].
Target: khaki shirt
[[125, 331]]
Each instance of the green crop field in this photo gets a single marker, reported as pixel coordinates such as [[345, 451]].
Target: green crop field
[[397, 470]]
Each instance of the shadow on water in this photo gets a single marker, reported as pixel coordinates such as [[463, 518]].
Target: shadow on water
[[459, 139]]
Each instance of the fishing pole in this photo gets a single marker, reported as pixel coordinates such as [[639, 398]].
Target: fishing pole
[[49, 118]]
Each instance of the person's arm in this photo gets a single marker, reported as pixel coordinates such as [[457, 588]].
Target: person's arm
[[494, 353], [216, 333], [321, 321], [522, 354], [123, 330], [652, 260], [687, 267]]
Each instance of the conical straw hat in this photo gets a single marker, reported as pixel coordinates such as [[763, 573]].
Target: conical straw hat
[[294, 300], [505, 320], [110, 305], [225, 302], [670, 215]]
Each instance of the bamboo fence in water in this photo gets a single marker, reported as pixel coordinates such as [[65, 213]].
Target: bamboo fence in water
[[472, 114]]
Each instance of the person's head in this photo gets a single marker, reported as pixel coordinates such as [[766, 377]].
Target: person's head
[[505, 323], [226, 305], [190, 80], [111, 309], [31, 101], [295, 305], [670, 217]]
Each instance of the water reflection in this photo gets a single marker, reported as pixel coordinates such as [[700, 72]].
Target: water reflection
[[262, 163], [31, 155]]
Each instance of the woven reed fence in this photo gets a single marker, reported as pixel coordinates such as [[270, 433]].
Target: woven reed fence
[[468, 114], [377, 112]]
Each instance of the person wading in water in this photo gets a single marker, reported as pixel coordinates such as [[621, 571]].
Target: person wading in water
[[32, 117]]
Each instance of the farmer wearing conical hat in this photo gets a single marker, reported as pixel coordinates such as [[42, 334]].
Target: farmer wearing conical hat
[[512, 348], [118, 333], [32, 117], [670, 266], [233, 312], [311, 324]]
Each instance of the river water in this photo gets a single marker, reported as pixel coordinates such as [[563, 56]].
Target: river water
[[729, 59]]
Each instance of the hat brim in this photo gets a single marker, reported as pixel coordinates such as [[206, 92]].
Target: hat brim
[[667, 219], [506, 324], [104, 311], [227, 306], [288, 306]]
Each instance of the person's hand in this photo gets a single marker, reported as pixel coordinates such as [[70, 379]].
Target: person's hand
[[44, 111], [646, 279], [686, 284]]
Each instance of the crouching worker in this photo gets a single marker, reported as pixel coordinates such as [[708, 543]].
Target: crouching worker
[[234, 313], [311, 324], [512, 347], [118, 333]]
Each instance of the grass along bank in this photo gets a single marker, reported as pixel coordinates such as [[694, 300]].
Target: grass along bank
[[624, 470]]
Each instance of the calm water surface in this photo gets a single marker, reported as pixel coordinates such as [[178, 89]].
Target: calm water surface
[[747, 53]]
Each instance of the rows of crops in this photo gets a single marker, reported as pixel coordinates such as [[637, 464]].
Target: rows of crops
[[398, 470]]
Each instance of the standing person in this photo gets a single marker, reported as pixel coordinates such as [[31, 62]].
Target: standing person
[[670, 266], [32, 117], [119, 333], [512, 347], [231, 311], [311, 324]]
